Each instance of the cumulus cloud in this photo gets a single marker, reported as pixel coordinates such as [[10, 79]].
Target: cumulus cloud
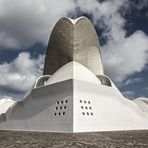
[[24, 23], [126, 56], [19, 75], [133, 80]]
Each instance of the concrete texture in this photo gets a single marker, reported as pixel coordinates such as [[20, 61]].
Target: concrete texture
[[75, 71], [74, 100], [73, 41], [122, 139], [74, 95], [43, 110]]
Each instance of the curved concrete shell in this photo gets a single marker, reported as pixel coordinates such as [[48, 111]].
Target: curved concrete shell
[[73, 40], [74, 95], [74, 100]]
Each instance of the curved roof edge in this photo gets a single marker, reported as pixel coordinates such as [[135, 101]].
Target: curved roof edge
[[76, 20], [73, 70], [73, 40]]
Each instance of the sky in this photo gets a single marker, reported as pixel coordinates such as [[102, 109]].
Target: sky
[[121, 25]]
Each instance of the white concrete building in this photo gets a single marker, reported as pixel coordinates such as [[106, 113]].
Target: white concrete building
[[74, 95]]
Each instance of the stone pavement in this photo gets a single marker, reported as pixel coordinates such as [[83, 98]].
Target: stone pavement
[[122, 139]]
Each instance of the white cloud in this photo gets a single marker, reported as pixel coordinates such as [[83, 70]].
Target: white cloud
[[19, 75], [27, 22], [132, 80], [127, 56], [23, 23]]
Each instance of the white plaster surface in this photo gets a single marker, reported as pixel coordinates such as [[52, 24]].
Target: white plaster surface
[[73, 70], [73, 98], [5, 104], [142, 103], [37, 111], [90, 105], [111, 111]]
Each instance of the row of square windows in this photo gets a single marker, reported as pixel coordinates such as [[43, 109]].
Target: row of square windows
[[85, 101], [61, 107], [64, 107], [87, 113], [63, 113], [59, 114], [66, 101], [61, 102], [85, 107]]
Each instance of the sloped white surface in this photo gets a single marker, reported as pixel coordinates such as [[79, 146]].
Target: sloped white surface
[[142, 103], [5, 104], [73, 70], [111, 111]]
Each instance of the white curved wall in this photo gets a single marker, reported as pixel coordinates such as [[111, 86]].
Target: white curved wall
[[73, 70], [5, 104]]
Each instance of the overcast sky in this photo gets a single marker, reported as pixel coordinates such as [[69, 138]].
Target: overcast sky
[[122, 27]]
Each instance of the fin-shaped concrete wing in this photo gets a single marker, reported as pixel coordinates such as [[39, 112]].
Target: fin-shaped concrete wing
[[73, 40]]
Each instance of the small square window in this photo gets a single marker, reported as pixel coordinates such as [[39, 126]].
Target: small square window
[[83, 113]]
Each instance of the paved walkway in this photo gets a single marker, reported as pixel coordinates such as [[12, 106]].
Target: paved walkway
[[126, 139]]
